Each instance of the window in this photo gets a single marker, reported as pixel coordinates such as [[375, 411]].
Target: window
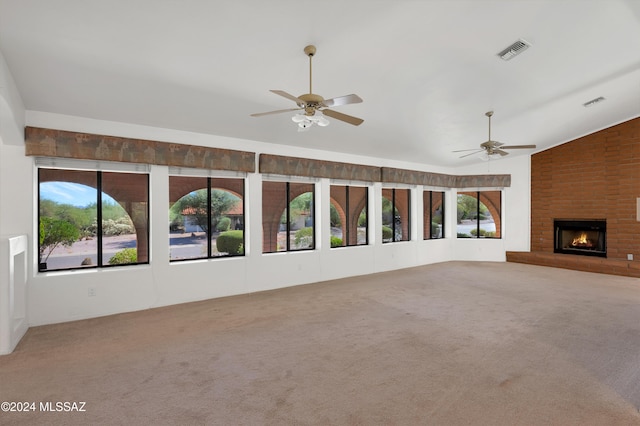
[[90, 219], [479, 214], [287, 216], [396, 205], [348, 216], [206, 217], [433, 211]]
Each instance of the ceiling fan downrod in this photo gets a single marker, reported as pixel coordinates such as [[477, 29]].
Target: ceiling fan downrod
[[310, 51]]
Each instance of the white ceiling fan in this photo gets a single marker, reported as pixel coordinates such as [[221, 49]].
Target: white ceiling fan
[[310, 103], [493, 148]]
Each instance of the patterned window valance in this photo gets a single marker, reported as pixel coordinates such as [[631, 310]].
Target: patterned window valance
[[85, 146], [292, 166], [414, 177]]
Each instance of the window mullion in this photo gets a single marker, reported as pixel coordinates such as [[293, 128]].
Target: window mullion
[[366, 203], [478, 215], [312, 211], [347, 218], [209, 219], [393, 214], [430, 215], [288, 211], [99, 217]]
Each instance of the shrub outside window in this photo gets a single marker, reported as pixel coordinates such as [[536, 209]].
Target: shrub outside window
[[92, 219], [348, 215], [288, 222], [396, 209], [206, 217], [479, 214], [433, 211]]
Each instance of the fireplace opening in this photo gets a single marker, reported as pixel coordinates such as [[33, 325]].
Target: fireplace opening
[[587, 237]]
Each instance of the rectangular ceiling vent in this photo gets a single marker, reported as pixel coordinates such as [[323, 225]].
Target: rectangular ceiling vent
[[513, 50], [592, 102]]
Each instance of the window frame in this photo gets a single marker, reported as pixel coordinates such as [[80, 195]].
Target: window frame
[[99, 168], [346, 238], [498, 222], [394, 208], [287, 213], [210, 178], [428, 214]]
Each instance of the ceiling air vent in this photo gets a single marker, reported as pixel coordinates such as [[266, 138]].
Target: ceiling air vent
[[592, 102], [513, 50]]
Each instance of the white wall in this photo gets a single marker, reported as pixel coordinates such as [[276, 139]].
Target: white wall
[[63, 296], [15, 204], [516, 211]]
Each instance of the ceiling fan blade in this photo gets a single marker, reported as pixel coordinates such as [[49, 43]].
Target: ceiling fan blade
[[289, 96], [517, 146], [474, 152], [343, 117], [342, 100], [260, 114], [499, 151], [464, 150]]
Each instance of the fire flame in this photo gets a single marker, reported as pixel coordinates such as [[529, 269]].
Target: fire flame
[[582, 241]]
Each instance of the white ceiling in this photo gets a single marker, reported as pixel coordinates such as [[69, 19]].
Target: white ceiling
[[427, 70]]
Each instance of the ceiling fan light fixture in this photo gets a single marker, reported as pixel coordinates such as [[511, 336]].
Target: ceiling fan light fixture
[[306, 121], [299, 118], [304, 126], [323, 122], [485, 156]]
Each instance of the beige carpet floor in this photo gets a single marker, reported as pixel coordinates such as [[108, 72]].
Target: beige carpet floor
[[455, 343]]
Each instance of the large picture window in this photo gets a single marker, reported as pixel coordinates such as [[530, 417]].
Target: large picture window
[[206, 217], [348, 216], [287, 216], [396, 207], [433, 211], [479, 214], [92, 219]]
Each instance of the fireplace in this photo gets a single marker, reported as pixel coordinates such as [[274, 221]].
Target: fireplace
[[587, 237]]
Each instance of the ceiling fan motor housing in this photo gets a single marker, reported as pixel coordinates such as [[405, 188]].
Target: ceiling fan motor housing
[[312, 103]]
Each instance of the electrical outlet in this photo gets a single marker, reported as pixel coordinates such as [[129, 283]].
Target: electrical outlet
[[630, 256], [92, 291]]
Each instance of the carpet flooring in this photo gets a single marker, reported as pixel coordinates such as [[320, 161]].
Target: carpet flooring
[[455, 343]]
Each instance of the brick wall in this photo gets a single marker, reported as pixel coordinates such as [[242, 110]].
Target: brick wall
[[596, 176]]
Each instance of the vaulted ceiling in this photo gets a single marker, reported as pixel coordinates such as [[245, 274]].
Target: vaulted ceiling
[[426, 70]]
